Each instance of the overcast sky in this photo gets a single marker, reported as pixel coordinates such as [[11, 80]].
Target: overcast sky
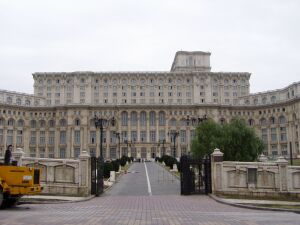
[[260, 37]]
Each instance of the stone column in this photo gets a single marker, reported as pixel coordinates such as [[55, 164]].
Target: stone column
[[84, 174], [216, 170], [282, 168], [17, 155]]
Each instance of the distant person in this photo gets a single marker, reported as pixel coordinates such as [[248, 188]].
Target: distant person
[[8, 158]]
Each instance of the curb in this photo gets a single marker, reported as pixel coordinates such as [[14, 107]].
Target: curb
[[249, 206], [51, 201]]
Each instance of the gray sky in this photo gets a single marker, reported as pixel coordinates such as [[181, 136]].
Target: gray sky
[[260, 37]]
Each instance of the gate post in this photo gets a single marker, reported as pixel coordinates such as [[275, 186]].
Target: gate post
[[84, 174], [216, 170], [185, 176]]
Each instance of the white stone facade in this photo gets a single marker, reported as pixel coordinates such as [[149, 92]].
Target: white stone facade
[[147, 107]]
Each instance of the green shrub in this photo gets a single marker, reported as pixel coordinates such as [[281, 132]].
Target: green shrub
[[116, 165], [108, 166]]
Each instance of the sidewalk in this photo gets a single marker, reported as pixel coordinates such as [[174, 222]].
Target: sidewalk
[[43, 199], [273, 205]]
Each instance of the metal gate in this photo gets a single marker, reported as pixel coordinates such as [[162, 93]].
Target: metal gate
[[195, 175], [97, 167]]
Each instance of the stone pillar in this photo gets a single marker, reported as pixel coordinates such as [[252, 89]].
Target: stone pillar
[[17, 155], [84, 174], [216, 170], [282, 168], [262, 158]]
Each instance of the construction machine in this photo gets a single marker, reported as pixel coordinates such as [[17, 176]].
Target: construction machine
[[16, 181]]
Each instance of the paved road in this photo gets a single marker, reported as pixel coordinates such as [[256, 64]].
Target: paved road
[[131, 203], [135, 182]]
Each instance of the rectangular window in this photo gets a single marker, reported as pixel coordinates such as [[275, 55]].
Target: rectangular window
[[42, 137], [182, 136], [113, 137], [63, 137], [76, 153], [9, 137], [77, 137], [133, 135], [33, 137], [51, 152], [162, 135], [51, 137], [273, 135], [153, 136], [93, 137], [42, 152], [32, 152], [124, 136], [19, 137], [264, 135], [62, 153], [143, 136]]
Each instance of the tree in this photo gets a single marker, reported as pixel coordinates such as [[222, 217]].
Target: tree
[[237, 141], [208, 135]]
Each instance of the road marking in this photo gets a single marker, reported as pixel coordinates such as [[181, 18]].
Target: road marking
[[148, 181]]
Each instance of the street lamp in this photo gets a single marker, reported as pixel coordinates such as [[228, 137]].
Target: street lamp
[[118, 136], [99, 163], [128, 143], [174, 134], [163, 146], [103, 123]]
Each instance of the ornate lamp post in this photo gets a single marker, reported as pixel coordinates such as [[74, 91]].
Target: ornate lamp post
[[118, 136], [128, 143], [174, 134], [163, 142], [98, 164]]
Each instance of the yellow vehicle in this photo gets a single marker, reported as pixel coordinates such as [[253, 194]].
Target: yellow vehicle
[[16, 181]]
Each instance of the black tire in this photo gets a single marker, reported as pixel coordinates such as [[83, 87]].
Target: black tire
[[11, 202], [1, 198]]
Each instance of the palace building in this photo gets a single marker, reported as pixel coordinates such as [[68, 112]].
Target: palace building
[[149, 108]]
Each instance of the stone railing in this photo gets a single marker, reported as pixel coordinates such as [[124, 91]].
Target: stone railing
[[254, 178], [60, 176]]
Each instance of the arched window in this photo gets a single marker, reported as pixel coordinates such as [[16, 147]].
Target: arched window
[[172, 122], [77, 122], [133, 118], [251, 122], [9, 100], [162, 118], [255, 101], [272, 120], [124, 117], [282, 120], [143, 118], [152, 118], [264, 100], [63, 123], [183, 122], [247, 102], [18, 101], [263, 121], [273, 99], [51, 123], [20, 123], [10, 122], [124, 81], [42, 123], [222, 120], [27, 102], [2, 121], [33, 124]]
